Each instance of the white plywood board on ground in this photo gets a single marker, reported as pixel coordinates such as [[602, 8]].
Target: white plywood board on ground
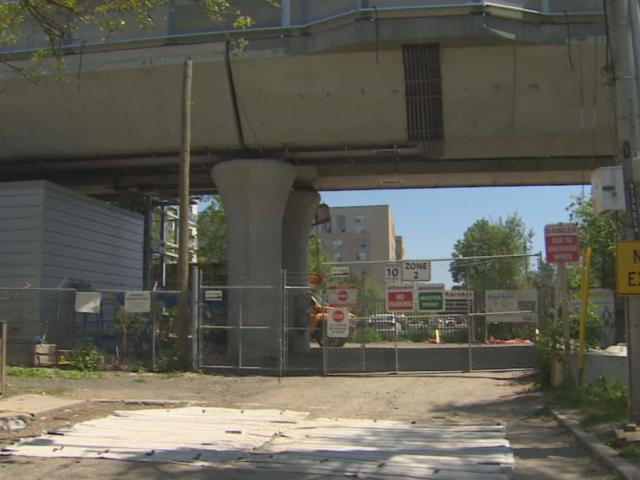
[[284, 441]]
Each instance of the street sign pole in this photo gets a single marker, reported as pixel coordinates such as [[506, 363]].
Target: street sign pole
[[628, 144]]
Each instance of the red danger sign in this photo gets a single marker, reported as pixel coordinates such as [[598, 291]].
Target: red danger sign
[[561, 243], [338, 316], [400, 298], [343, 295]]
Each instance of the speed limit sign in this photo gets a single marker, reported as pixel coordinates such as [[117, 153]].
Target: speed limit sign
[[392, 272]]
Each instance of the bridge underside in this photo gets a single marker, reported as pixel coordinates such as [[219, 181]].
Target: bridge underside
[[108, 177], [456, 95]]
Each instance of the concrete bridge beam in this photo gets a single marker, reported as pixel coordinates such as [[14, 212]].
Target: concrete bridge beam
[[254, 193], [298, 219]]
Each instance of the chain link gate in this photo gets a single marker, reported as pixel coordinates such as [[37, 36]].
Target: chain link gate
[[280, 327], [484, 324]]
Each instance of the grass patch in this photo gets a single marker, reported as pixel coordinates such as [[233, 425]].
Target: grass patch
[[631, 452], [171, 375], [140, 380], [603, 402], [52, 373]]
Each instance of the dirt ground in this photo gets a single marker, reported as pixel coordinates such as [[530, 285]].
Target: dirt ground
[[542, 449]]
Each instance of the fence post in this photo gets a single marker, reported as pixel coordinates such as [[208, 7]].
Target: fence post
[[283, 321], [153, 331], [195, 316], [324, 347], [470, 327], [395, 329], [240, 336], [3, 358]]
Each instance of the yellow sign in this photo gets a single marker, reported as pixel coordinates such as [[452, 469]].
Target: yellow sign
[[628, 267]]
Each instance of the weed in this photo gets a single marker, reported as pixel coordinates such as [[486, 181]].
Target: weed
[[52, 373], [140, 380], [87, 358], [603, 402], [171, 375], [632, 452]]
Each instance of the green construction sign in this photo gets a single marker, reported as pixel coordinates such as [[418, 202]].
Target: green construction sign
[[431, 301]]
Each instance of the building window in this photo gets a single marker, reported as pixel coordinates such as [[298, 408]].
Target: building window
[[361, 229], [362, 242], [362, 256], [337, 256], [341, 223], [359, 220], [337, 243]]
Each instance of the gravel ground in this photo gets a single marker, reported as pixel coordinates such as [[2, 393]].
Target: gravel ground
[[543, 450]]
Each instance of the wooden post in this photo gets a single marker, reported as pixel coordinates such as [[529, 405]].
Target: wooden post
[[564, 318], [184, 319]]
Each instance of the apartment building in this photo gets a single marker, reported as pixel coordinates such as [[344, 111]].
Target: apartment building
[[362, 233]]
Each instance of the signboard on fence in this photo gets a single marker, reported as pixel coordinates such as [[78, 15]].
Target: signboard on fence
[[458, 302], [602, 303], [340, 272], [392, 272], [497, 301], [211, 295], [561, 243], [88, 302], [430, 297], [400, 297], [416, 271], [338, 323], [137, 302], [342, 295]]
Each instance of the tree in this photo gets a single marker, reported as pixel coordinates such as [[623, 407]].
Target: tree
[[58, 20], [212, 231], [600, 231], [486, 238]]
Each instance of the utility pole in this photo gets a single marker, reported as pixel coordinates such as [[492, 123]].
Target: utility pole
[[184, 319], [628, 145]]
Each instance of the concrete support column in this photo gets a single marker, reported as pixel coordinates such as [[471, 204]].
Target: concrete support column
[[298, 218], [254, 194]]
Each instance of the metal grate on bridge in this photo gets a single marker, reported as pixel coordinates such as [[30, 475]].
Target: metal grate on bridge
[[423, 93]]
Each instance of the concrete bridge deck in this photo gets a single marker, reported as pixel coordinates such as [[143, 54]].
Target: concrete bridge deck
[[354, 94]]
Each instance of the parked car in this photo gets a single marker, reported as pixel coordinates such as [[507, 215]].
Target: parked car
[[385, 325]]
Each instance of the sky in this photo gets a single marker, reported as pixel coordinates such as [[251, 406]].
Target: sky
[[432, 220]]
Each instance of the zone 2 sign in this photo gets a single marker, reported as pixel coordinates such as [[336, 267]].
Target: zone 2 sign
[[416, 271]]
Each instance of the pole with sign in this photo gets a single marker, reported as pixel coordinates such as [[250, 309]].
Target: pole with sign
[[562, 247]]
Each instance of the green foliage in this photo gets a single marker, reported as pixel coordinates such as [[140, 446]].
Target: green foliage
[[318, 259], [460, 335], [631, 451], [57, 21], [212, 234], [601, 232], [602, 402], [549, 347], [366, 335], [87, 358], [52, 373], [485, 238]]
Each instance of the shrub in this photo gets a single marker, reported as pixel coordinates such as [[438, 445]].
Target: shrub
[[87, 358], [366, 335]]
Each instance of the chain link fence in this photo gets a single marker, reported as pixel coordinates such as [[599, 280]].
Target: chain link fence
[[285, 325], [46, 326], [487, 321]]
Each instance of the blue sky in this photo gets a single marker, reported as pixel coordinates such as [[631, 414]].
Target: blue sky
[[431, 220]]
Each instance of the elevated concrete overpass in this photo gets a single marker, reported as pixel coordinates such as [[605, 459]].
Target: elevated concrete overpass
[[338, 94], [353, 93]]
